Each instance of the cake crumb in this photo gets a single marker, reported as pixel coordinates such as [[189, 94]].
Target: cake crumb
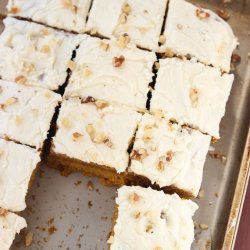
[[28, 239], [223, 14], [235, 58], [90, 204], [202, 14], [110, 240], [218, 156], [77, 183], [52, 230], [201, 193], [203, 226], [90, 186], [118, 61]]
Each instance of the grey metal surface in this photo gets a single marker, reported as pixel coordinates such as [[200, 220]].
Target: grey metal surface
[[80, 225]]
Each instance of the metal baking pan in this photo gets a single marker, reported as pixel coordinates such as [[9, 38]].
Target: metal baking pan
[[71, 213]]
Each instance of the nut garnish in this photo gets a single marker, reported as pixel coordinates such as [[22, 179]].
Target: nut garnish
[[223, 14], [139, 154], [69, 5], [203, 226], [28, 238], [104, 46], [10, 101], [66, 123], [169, 53], [20, 79], [108, 142], [169, 156], [126, 8], [71, 65], [90, 130], [45, 49], [137, 215], [88, 99], [100, 104], [162, 39], [15, 10], [134, 198], [76, 136], [86, 71], [99, 137], [149, 228], [194, 97], [202, 14], [163, 215], [122, 41], [118, 61], [3, 212], [160, 166]]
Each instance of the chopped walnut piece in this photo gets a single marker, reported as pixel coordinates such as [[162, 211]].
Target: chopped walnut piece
[[90, 186], [76, 136], [45, 49], [118, 61], [15, 9], [139, 154], [71, 65], [169, 156], [86, 71], [169, 53], [69, 5], [10, 101], [126, 8], [18, 120], [100, 104], [134, 198], [163, 215], [122, 41], [223, 14], [88, 99], [149, 228], [90, 130], [162, 39], [20, 79], [137, 215], [104, 46], [202, 14], [66, 123], [3, 212], [28, 238], [108, 142], [235, 58], [201, 193], [160, 166], [194, 97]]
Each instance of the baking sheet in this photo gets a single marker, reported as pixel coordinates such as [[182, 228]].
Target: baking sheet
[[63, 213]]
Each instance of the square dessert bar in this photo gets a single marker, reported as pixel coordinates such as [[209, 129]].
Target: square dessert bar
[[64, 14], [26, 113], [93, 137], [169, 155], [18, 164], [151, 220], [10, 225], [115, 71], [192, 93], [191, 30], [35, 55], [141, 20]]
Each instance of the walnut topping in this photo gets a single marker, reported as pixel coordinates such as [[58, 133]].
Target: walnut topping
[[76, 136], [202, 14], [100, 104], [126, 8], [71, 65], [86, 71], [137, 215], [15, 10], [45, 49], [162, 39], [223, 14], [10, 101], [122, 41], [99, 137], [28, 239], [139, 154], [18, 120], [20, 79], [149, 228], [66, 123], [104, 46], [108, 142], [160, 166], [90, 130], [118, 61], [134, 198], [69, 5], [169, 156], [3, 212], [88, 99], [169, 53], [203, 226], [194, 97]]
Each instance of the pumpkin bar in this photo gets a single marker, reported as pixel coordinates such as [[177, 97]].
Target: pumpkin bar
[[18, 164], [151, 220], [115, 71], [10, 225], [26, 113], [34, 55], [193, 31], [141, 20], [64, 14], [93, 137], [169, 155], [192, 93]]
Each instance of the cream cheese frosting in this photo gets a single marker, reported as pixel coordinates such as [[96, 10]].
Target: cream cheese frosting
[[200, 33], [17, 163], [192, 93], [95, 132], [10, 225], [35, 55], [168, 154], [151, 220], [141, 20], [69, 15], [26, 112], [115, 71]]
